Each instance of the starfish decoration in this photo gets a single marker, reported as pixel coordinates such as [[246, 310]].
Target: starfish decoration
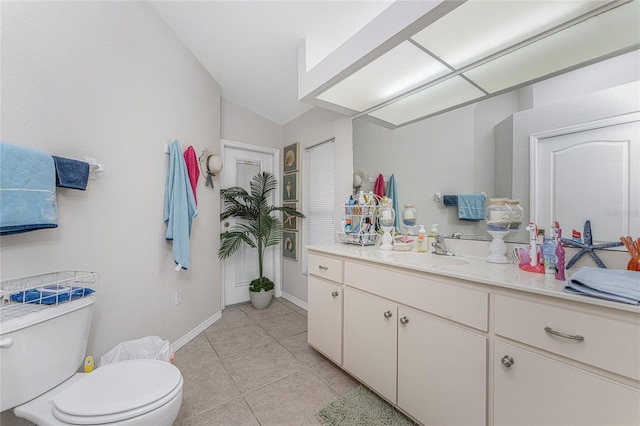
[[588, 247], [288, 221]]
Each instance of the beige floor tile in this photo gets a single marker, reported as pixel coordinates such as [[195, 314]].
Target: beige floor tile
[[195, 350], [284, 326], [260, 366], [291, 401], [299, 348], [302, 312], [233, 317], [233, 413], [206, 384], [287, 303], [235, 340], [335, 377], [275, 309]]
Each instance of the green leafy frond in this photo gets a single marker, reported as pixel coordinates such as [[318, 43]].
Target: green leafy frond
[[230, 243]]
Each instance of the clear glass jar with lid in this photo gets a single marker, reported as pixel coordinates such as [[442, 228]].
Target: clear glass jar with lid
[[387, 215], [498, 214], [517, 215], [409, 217]]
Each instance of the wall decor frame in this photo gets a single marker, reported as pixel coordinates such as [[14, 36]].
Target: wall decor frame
[[290, 187], [290, 245], [290, 222], [292, 158]]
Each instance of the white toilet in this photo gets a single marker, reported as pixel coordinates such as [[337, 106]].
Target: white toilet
[[40, 354]]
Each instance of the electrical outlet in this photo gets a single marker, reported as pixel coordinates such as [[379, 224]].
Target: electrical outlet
[[178, 297]]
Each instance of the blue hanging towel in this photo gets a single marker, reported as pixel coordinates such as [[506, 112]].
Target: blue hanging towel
[[392, 192], [471, 207], [179, 207], [27, 190], [70, 173]]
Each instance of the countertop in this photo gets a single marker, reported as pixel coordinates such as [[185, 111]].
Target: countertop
[[475, 269]]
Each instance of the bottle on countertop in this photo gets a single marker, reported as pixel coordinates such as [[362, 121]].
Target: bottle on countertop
[[422, 243], [351, 202], [347, 227], [549, 253], [431, 237]]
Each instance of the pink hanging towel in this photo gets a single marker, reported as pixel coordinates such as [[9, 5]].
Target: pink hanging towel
[[378, 189], [193, 169]]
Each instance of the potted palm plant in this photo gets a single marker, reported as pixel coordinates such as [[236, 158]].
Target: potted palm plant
[[257, 227]]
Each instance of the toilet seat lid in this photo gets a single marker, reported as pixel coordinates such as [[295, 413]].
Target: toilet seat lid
[[119, 390]]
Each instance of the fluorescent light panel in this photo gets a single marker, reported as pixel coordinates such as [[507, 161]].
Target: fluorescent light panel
[[605, 33], [451, 92], [481, 28], [472, 32], [403, 68]]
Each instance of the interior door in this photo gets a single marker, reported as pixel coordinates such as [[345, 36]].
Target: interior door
[[241, 163], [604, 187]]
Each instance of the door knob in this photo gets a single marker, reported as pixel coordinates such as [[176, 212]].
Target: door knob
[[335, 294], [404, 320], [507, 361], [388, 314]]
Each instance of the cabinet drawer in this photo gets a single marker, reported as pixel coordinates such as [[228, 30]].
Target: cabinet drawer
[[326, 267], [607, 343], [455, 303]]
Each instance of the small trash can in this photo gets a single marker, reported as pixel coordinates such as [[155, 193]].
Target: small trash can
[[150, 347]]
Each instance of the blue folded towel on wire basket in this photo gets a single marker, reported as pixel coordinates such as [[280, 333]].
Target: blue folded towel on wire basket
[[609, 284], [51, 295]]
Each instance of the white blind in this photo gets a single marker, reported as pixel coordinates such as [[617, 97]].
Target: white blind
[[319, 197]]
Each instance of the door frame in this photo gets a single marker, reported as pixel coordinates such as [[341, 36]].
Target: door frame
[[274, 152]]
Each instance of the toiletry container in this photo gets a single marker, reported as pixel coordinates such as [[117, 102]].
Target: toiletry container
[[422, 243]]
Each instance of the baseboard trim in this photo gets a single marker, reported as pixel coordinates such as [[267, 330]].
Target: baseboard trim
[[295, 300], [195, 331]]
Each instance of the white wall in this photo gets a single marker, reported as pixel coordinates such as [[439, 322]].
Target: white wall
[[238, 124], [110, 80], [311, 128]]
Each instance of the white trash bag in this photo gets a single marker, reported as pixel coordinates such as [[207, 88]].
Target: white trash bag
[[150, 347]]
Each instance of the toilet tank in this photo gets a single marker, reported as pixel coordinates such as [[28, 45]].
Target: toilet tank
[[41, 347]]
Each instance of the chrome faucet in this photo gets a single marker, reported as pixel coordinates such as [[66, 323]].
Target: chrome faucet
[[440, 246]]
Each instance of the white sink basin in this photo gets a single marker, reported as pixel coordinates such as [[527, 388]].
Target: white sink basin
[[425, 259], [433, 259]]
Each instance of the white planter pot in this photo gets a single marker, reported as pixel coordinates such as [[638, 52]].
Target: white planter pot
[[262, 299]]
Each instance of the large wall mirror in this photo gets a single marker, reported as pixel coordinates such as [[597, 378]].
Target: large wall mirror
[[485, 148]]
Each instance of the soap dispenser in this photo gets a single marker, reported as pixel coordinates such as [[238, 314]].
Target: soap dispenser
[[422, 243], [431, 236]]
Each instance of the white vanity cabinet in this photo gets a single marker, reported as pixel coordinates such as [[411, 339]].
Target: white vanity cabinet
[[475, 344], [428, 366], [325, 298], [557, 386]]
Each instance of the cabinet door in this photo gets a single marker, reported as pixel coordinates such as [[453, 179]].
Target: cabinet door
[[536, 390], [324, 314], [370, 341], [442, 371]]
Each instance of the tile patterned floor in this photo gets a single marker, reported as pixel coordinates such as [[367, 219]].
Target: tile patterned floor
[[255, 368], [252, 368]]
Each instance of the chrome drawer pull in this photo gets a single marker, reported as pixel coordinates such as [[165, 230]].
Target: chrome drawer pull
[[324, 268], [335, 294], [404, 320], [507, 361], [388, 314], [564, 335]]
